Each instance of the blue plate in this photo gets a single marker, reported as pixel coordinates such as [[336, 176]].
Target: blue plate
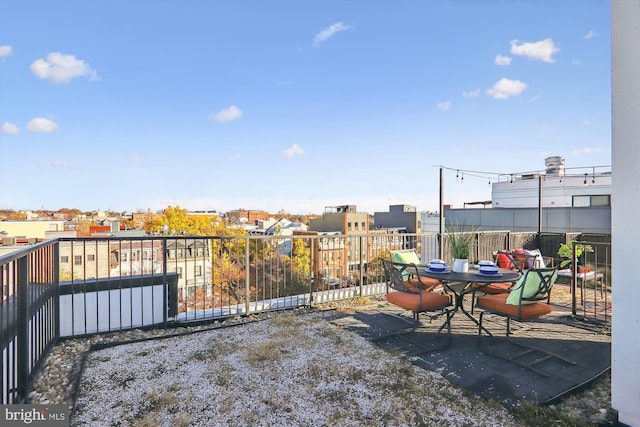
[[445, 271], [498, 274]]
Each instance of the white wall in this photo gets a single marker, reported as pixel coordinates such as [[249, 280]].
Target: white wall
[[625, 226], [103, 311], [556, 191], [37, 229]]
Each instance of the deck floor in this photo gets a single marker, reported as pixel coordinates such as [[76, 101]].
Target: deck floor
[[466, 362]]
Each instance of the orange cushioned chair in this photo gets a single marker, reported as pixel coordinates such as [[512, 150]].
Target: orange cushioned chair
[[403, 291], [528, 300], [409, 256], [515, 260]]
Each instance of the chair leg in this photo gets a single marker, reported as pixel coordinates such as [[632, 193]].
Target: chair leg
[[473, 300]]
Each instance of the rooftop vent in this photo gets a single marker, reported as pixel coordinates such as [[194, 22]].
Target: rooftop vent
[[555, 165]]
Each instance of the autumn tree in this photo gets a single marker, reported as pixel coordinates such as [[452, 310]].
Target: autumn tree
[[301, 257], [175, 221], [83, 228]]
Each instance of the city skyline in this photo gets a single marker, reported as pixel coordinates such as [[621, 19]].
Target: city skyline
[[294, 107]]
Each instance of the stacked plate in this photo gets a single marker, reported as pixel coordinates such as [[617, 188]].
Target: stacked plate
[[488, 268], [437, 266]]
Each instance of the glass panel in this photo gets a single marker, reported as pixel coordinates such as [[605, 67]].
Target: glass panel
[[581, 201], [600, 200]]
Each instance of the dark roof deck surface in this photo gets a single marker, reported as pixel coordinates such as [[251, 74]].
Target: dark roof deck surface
[[466, 364]]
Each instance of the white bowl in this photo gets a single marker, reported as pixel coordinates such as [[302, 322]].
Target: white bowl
[[437, 265], [487, 269]]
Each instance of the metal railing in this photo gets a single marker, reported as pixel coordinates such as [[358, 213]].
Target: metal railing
[[83, 286], [28, 315], [590, 280]]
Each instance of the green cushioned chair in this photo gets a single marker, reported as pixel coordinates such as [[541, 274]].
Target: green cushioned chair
[[409, 256], [403, 293], [528, 300]]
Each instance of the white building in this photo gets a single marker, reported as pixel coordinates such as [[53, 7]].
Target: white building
[[559, 189]]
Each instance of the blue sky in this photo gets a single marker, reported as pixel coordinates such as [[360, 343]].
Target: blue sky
[[294, 105]]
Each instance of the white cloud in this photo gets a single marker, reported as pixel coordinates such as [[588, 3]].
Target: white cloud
[[40, 124], [471, 94], [505, 88], [63, 164], [5, 51], [329, 32], [135, 158], [503, 60], [591, 34], [60, 68], [9, 128], [541, 51], [294, 150], [225, 115], [235, 157], [444, 106]]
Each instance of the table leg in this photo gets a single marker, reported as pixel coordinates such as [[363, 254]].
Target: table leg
[[459, 299]]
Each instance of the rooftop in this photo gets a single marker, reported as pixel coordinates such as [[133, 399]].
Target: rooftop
[[321, 367]]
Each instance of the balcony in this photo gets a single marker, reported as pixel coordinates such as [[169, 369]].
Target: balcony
[[83, 287]]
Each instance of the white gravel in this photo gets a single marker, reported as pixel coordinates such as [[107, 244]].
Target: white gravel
[[288, 370]]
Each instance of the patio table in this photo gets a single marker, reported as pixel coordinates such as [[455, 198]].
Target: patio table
[[461, 284]]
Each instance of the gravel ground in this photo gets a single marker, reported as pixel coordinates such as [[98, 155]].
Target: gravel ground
[[61, 375]]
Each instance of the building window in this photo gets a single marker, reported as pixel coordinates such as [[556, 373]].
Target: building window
[[64, 258], [601, 200], [91, 257], [179, 271], [124, 256], [198, 271], [587, 201], [348, 226], [77, 260]]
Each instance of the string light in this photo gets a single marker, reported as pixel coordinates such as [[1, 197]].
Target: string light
[[493, 177]]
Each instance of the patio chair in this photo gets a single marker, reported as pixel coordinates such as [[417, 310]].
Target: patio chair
[[409, 256], [528, 301], [517, 260], [417, 299]]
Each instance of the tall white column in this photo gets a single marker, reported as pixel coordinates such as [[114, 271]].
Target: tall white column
[[625, 226]]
